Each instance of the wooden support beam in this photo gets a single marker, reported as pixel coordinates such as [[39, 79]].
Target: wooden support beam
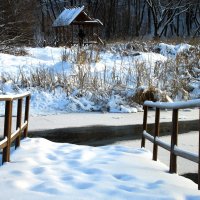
[[144, 124], [19, 121], [72, 36], [174, 141], [199, 155], [156, 133], [7, 130], [27, 106]]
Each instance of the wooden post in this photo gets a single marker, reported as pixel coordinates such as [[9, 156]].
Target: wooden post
[[27, 105], [97, 30], [58, 31], [156, 133], [72, 36], [7, 130], [144, 124], [19, 121], [88, 33], [63, 33], [60, 36], [57, 37], [174, 141], [199, 155], [92, 30]]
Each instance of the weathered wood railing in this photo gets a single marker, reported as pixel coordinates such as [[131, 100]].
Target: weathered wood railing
[[173, 148], [21, 125]]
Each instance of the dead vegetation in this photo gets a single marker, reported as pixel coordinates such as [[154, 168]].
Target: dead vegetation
[[134, 82]]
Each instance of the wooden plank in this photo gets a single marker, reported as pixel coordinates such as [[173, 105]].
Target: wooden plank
[[144, 125], [7, 131], [156, 133], [199, 155], [20, 96], [3, 143], [27, 106], [186, 154], [174, 141], [14, 97], [148, 136], [15, 135], [24, 125], [162, 144], [19, 122], [174, 105]]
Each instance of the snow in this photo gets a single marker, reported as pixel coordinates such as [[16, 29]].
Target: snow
[[44, 102], [174, 105], [172, 50], [111, 62], [67, 16], [38, 58], [41, 169]]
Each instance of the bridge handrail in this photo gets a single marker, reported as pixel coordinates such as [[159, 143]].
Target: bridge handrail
[[21, 124], [14, 97], [173, 147], [174, 105]]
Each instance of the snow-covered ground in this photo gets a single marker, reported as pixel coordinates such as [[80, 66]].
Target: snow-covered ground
[[41, 169], [186, 141], [110, 64]]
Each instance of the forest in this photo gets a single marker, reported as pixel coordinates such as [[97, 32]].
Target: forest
[[29, 22]]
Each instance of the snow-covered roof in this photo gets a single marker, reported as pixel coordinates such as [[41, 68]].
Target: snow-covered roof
[[67, 16], [74, 15]]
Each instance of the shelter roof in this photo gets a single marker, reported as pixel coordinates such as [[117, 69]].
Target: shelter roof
[[67, 16], [74, 15]]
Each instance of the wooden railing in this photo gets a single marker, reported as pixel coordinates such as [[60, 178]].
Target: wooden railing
[[173, 147], [21, 125]]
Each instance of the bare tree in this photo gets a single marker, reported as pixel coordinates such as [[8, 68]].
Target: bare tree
[[21, 21], [164, 12], [15, 23], [197, 21]]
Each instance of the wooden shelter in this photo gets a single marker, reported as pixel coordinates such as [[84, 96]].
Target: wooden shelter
[[74, 26]]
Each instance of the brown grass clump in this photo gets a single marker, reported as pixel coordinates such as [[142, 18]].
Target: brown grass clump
[[151, 94], [17, 51]]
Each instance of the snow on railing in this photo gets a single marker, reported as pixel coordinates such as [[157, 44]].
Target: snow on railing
[[173, 148], [21, 124], [174, 105]]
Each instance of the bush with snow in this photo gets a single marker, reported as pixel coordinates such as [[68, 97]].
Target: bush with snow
[[101, 79]]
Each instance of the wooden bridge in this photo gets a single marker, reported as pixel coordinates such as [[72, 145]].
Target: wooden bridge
[[21, 130]]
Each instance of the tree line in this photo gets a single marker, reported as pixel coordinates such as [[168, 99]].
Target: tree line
[[30, 21]]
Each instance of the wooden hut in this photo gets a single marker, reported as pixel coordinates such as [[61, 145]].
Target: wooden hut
[[74, 26]]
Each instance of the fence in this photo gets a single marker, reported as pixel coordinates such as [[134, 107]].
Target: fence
[[21, 125], [173, 148]]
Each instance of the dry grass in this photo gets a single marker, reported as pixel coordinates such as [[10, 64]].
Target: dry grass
[[16, 51], [170, 79]]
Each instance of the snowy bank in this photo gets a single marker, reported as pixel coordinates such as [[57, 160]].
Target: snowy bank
[[64, 80]]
